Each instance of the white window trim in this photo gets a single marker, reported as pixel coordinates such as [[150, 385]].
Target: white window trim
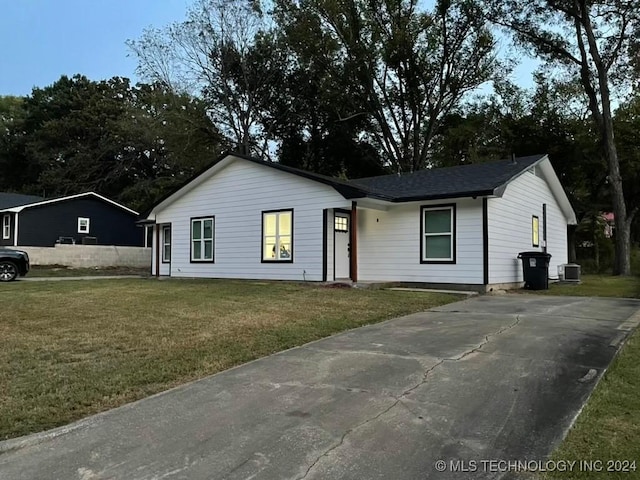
[[6, 227], [451, 233], [166, 241], [201, 220], [277, 236], [80, 229]]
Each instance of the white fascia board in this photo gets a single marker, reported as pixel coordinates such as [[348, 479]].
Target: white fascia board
[[544, 164], [558, 191], [70, 197]]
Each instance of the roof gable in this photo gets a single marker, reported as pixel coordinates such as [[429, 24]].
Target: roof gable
[[346, 189]]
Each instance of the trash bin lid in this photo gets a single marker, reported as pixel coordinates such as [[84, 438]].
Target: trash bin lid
[[534, 255]]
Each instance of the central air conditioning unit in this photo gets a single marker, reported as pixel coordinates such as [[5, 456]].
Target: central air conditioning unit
[[569, 272]]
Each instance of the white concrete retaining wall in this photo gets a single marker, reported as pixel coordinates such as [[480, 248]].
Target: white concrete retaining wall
[[87, 256]]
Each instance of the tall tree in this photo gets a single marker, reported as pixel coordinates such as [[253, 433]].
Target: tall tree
[[593, 41], [408, 66], [128, 143], [221, 52], [18, 172], [627, 126]]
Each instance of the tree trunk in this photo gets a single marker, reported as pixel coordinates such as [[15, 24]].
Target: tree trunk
[[594, 238], [604, 121], [622, 260], [622, 263]]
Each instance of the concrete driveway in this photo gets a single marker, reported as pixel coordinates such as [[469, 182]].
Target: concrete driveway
[[486, 379]]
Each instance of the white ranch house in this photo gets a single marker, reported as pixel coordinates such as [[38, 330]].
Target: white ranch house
[[460, 227]]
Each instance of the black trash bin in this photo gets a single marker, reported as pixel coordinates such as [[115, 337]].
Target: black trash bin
[[535, 268]]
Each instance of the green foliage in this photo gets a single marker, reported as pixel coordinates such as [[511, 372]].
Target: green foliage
[[17, 171], [129, 143], [217, 53], [591, 42], [403, 66]]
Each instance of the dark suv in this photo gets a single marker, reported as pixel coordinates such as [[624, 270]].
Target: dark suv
[[12, 264]]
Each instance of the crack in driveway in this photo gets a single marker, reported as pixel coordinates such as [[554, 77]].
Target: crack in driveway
[[398, 400]]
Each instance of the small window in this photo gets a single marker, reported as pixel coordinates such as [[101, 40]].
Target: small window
[[202, 239], [6, 227], [342, 224], [277, 236], [166, 244], [535, 231], [83, 225], [438, 234]]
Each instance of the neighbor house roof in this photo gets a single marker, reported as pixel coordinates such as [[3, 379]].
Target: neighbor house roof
[[8, 200], [19, 208], [473, 180]]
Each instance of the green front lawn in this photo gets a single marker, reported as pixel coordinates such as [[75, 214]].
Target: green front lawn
[[71, 349], [597, 286]]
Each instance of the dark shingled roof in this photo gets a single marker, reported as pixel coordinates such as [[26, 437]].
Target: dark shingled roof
[[450, 182], [8, 200], [438, 183]]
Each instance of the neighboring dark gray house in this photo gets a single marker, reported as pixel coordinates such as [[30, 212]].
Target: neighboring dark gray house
[[29, 221]]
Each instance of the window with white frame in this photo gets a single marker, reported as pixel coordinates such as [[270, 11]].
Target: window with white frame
[[6, 226], [166, 244], [202, 239], [83, 225], [277, 236], [438, 239]]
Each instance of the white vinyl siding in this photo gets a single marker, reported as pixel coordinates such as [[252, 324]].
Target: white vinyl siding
[[510, 228], [389, 245], [330, 244], [237, 195]]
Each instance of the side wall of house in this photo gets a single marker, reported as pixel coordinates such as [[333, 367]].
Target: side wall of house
[[236, 196], [389, 245], [510, 228], [41, 226], [330, 242]]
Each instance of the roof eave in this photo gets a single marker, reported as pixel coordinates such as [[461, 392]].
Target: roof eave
[[19, 208], [424, 198]]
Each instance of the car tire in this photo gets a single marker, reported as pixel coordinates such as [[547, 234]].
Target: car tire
[[8, 271]]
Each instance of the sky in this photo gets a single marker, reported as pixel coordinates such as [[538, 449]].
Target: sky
[[40, 40]]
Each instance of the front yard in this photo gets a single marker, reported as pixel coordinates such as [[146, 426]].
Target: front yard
[[598, 286], [74, 348]]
